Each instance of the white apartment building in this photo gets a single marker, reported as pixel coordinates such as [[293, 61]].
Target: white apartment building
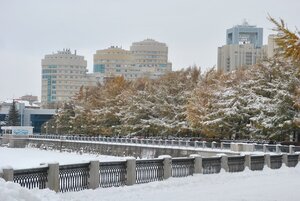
[[63, 73], [232, 57]]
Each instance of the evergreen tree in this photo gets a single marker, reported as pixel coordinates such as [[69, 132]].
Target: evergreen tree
[[13, 116]]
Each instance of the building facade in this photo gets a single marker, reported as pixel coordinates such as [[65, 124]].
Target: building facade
[[115, 61], [147, 58], [29, 114], [244, 47], [151, 57], [63, 73]]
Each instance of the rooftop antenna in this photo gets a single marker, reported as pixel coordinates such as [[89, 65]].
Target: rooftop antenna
[[245, 23]]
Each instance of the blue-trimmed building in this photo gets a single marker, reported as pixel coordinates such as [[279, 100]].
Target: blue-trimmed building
[[30, 114]]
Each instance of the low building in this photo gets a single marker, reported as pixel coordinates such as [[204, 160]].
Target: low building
[[30, 115]]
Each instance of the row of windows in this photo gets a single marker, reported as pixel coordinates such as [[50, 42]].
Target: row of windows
[[46, 71], [66, 76]]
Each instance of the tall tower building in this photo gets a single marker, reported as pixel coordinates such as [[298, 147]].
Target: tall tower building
[[244, 47], [245, 34], [63, 73], [151, 56]]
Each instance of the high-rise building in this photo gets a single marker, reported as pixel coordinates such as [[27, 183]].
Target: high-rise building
[[115, 61], [150, 54], [63, 73], [244, 47], [147, 58], [245, 34]]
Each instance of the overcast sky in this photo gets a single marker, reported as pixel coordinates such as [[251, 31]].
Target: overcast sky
[[192, 29]]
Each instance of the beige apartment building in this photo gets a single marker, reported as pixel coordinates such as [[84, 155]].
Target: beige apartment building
[[147, 58], [63, 73], [115, 61]]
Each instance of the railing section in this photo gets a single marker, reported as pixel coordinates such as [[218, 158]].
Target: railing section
[[112, 174], [226, 145], [276, 161], [259, 147], [211, 165], [257, 162], [236, 163], [182, 167], [149, 170], [31, 178], [271, 148], [284, 149], [73, 177], [292, 160]]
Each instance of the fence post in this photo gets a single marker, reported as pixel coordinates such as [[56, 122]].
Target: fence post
[[222, 145], [285, 159], [278, 149], [265, 148], [268, 160], [8, 174], [248, 161], [291, 149], [130, 171], [224, 163], [53, 177], [167, 166], [203, 144], [213, 145], [94, 177], [197, 163]]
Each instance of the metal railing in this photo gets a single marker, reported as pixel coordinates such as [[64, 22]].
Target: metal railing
[[166, 142], [149, 170], [292, 160], [112, 173], [257, 162], [211, 165], [236, 163], [77, 177], [73, 177], [31, 178], [275, 161], [182, 167]]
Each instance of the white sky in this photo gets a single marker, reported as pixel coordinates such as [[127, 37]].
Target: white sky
[[192, 29]]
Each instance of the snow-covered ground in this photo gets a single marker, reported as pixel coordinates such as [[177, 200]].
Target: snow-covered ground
[[31, 157], [267, 185]]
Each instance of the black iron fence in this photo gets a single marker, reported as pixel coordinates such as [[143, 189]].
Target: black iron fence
[[76, 177]]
